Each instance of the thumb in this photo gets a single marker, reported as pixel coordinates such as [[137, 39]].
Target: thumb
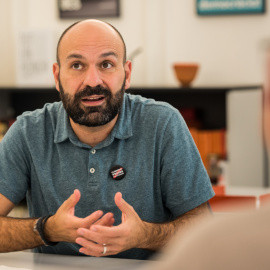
[[71, 202], [124, 207]]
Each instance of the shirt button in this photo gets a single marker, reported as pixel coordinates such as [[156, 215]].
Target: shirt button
[[93, 151], [92, 170]]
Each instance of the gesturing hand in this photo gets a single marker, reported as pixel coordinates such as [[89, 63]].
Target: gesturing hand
[[64, 224], [129, 234]]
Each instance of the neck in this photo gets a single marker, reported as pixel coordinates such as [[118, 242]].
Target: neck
[[92, 135]]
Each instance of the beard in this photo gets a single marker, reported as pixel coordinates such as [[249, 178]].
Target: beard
[[92, 116]]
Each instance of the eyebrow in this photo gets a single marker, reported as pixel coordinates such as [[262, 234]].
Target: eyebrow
[[74, 55], [106, 54]]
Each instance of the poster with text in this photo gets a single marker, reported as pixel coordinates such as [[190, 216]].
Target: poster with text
[[219, 7]]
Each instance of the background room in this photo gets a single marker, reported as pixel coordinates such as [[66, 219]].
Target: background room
[[222, 106]]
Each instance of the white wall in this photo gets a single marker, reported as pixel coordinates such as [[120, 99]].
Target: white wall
[[7, 75], [245, 139], [226, 47]]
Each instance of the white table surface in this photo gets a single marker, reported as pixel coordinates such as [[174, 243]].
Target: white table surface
[[246, 191], [38, 261]]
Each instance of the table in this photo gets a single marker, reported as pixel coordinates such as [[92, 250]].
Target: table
[[235, 199], [247, 191], [39, 261]]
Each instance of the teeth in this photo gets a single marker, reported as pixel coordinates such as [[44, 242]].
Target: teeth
[[97, 98]]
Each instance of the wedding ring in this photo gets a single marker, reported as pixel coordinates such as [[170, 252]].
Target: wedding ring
[[104, 249]]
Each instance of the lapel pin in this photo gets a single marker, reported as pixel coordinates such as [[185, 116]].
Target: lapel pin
[[117, 172]]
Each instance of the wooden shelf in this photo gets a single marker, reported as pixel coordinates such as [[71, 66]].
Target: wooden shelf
[[209, 102]]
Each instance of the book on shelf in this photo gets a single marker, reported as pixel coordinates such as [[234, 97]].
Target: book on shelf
[[211, 145], [3, 129], [4, 126]]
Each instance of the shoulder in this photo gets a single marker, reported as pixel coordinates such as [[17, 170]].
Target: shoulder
[[38, 123], [151, 108], [48, 113], [154, 118]]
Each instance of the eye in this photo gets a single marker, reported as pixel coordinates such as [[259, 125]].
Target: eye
[[77, 66], [106, 65]]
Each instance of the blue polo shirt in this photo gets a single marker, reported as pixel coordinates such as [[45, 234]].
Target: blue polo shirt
[[41, 158]]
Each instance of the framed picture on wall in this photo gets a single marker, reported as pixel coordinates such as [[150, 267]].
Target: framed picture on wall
[[76, 9], [222, 7]]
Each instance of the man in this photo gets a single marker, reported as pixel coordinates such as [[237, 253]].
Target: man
[[97, 144]]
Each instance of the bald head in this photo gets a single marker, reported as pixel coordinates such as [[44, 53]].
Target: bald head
[[89, 27]]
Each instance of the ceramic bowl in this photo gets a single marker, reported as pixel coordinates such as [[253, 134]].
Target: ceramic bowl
[[185, 72]]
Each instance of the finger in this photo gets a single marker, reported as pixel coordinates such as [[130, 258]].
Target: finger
[[123, 217], [108, 235], [89, 220], [103, 234], [71, 202], [106, 220], [90, 248], [111, 222], [96, 250], [124, 207]]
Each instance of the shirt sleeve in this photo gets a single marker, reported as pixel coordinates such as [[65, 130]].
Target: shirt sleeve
[[14, 164], [184, 181]]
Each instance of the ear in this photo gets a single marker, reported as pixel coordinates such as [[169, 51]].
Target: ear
[[56, 70], [128, 68]]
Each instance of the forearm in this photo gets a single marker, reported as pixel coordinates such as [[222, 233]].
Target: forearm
[[18, 234], [158, 235]]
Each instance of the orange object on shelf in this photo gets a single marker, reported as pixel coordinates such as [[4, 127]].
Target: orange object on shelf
[[219, 144], [185, 72], [209, 142], [195, 135], [219, 190], [264, 200], [228, 203]]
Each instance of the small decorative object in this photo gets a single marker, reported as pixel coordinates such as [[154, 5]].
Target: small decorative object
[[219, 7], [185, 72], [213, 169]]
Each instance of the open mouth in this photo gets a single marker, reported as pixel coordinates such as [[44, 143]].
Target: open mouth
[[93, 100]]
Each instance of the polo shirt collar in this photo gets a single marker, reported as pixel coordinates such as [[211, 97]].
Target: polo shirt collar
[[63, 127], [122, 129], [123, 126]]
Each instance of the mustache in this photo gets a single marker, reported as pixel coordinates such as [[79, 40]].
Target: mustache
[[97, 90]]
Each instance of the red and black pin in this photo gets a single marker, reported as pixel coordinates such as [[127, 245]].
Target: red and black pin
[[117, 172]]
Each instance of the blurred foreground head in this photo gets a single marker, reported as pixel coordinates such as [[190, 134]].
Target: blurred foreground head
[[232, 242], [267, 104], [239, 242]]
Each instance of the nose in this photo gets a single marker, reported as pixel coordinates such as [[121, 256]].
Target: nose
[[92, 77]]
